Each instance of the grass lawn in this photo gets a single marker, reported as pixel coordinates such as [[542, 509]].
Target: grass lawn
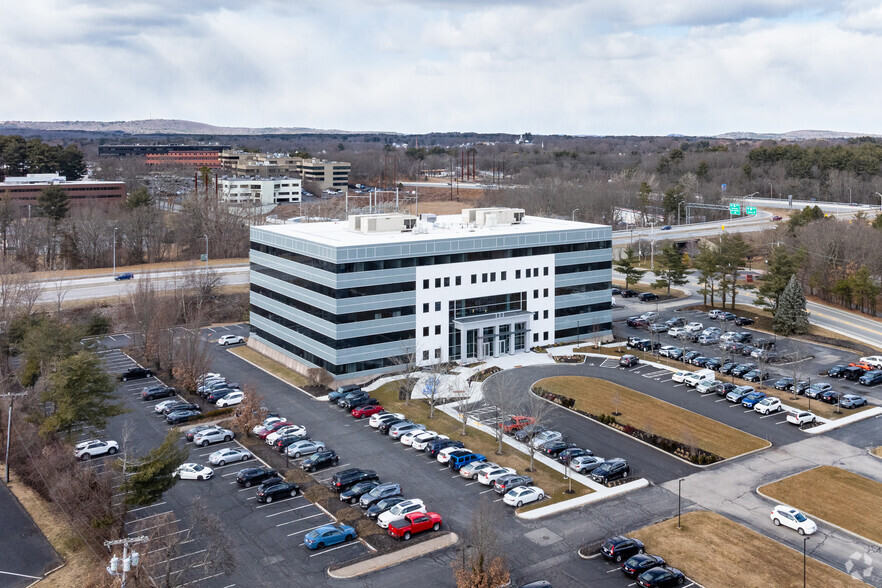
[[675, 292], [653, 415], [877, 451], [811, 492], [551, 482], [273, 367], [735, 550]]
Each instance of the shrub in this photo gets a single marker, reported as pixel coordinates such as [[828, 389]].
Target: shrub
[[98, 325]]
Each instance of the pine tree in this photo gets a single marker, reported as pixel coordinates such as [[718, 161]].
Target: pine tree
[[627, 266], [782, 265], [674, 272], [791, 317], [153, 474]]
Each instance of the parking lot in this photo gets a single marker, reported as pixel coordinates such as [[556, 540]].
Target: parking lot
[[600, 571]]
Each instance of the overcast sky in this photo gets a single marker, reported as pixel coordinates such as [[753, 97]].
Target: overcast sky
[[698, 67]]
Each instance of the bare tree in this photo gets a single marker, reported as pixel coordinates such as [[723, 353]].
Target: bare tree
[[18, 292], [499, 390], [319, 377], [60, 286], [250, 412], [191, 358], [203, 284], [437, 386], [407, 363], [539, 410], [480, 563]]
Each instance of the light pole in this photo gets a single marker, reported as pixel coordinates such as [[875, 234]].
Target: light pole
[[880, 199], [573, 216], [804, 541], [206, 248], [114, 249], [652, 247], [679, 487], [679, 204], [12, 396]]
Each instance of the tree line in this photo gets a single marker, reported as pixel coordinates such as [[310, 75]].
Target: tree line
[[20, 156]]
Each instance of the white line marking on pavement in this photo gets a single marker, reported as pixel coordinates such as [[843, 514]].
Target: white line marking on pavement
[[21, 575], [320, 514], [150, 506], [323, 551], [305, 530]]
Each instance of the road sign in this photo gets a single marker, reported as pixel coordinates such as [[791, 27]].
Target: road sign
[[734, 208], [723, 187], [751, 210], [722, 227]]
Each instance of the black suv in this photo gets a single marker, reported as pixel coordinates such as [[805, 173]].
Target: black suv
[[620, 548], [135, 373], [343, 480], [318, 460], [628, 293], [435, 447], [157, 392], [354, 493], [837, 371], [743, 320], [359, 401], [343, 391], [180, 406], [250, 476], [386, 425], [612, 469], [648, 297], [341, 402]]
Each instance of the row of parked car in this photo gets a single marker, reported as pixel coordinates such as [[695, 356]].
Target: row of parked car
[[551, 443], [650, 571]]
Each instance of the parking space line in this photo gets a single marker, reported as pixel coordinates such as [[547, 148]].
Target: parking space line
[[320, 514], [139, 531], [230, 474], [21, 575], [472, 483], [149, 506], [781, 422], [486, 491], [278, 501], [170, 534], [174, 558], [323, 551], [170, 546], [149, 516], [275, 514], [305, 530], [203, 579]]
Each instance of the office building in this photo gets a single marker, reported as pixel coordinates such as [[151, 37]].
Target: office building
[[25, 190], [259, 191], [317, 174], [361, 297], [186, 155]]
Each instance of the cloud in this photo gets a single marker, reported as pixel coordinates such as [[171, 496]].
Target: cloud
[[642, 67]]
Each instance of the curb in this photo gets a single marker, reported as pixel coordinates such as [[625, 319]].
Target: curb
[[301, 390], [873, 412], [572, 503], [387, 560], [826, 522]]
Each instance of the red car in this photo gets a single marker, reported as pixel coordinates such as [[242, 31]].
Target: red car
[[273, 428], [360, 412], [516, 423], [414, 522]]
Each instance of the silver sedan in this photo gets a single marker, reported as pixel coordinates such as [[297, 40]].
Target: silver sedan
[[229, 455], [304, 447]]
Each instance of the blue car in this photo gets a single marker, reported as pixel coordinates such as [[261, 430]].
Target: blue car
[[666, 228], [125, 276], [329, 535], [751, 399]]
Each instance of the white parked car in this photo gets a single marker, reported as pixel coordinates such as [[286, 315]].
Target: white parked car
[[208, 436], [677, 331], [304, 447], [165, 403], [231, 399], [258, 429], [229, 455], [768, 405], [873, 360], [800, 417], [470, 471], [790, 517], [230, 340], [287, 430], [207, 376], [488, 476], [94, 448], [377, 419], [193, 471], [407, 438], [546, 437], [696, 378], [444, 454], [421, 440], [716, 314], [399, 510], [666, 350], [680, 376], [522, 495], [693, 327]]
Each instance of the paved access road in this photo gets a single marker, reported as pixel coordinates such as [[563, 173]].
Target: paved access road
[[25, 553]]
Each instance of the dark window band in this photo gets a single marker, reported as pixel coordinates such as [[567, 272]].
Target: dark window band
[[582, 267], [336, 319], [573, 310], [582, 288], [336, 293], [582, 330]]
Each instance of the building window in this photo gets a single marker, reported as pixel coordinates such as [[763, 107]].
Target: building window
[[474, 278], [535, 315], [492, 276], [528, 272], [536, 271], [544, 271], [502, 276], [545, 336], [545, 314], [437, 329], [425, 331], [425, 356], [438, 353], [545, 293], [437, 282], [535, 293], [446, 282], [425, 307], [535, 338], [458, 280], [517, 274], [483, 277], [425, 284], [438, 306]]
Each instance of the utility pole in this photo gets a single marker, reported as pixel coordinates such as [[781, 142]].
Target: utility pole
[[114, 249], [128, 562], [12, 396]]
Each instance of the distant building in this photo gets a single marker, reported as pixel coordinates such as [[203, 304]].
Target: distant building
[[359, 298], [25, 190], [187, 155], [317, 174], [259, 191]]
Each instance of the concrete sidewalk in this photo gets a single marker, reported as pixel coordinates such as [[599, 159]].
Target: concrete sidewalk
[[387, 560]]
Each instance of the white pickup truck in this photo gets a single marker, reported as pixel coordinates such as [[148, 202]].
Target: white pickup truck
[[695, 378]]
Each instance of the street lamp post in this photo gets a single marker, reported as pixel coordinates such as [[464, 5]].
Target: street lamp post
[[679, 487], [679, 204], [880, 199], [804, 541], [114, 249], [206, 248], [652, 247], [573, 216]]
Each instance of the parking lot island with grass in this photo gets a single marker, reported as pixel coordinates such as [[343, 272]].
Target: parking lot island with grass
[[821, 492]]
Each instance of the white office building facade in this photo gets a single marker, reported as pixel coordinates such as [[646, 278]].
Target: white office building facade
[[260, 191], [363, 297]]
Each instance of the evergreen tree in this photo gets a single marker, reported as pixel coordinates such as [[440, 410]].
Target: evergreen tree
[[140, 196], [643, 196], [707, 262], [53, 203], [152, 475], [791, 317], [674, 272], [82, 393], [627, 266], [781, 266], [877, 222], [703, 170], [732, 255]]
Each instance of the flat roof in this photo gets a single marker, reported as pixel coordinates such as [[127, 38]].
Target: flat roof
[[338, 234]]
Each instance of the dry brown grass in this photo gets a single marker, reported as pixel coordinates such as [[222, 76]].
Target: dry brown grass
[[877, 451], [273, 367], [820, 492], [653, 415], [735, 552], [551, 482], [675, 292]]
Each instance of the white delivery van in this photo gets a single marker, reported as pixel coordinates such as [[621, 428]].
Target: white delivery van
[[694, 378]]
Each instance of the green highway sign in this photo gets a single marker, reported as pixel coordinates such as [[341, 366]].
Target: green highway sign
[[751, 210], [735, 208]]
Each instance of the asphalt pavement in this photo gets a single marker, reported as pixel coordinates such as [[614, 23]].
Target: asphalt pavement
[[25, 553]]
